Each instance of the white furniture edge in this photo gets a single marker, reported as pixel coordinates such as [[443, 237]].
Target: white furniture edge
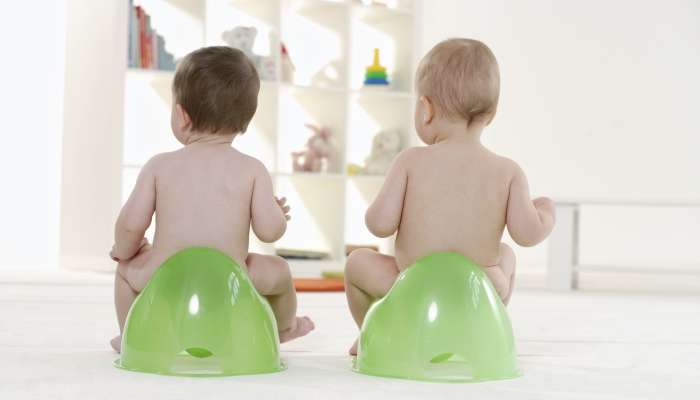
[[562, 254]]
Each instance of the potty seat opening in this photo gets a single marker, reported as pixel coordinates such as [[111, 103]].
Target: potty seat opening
[[448, 367]]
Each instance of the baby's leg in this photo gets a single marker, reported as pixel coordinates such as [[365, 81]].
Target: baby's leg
[[272, 278], [129, 281], [502, 275], [368, 275]]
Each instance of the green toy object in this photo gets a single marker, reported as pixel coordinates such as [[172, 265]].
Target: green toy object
[[375, 74], [441, 321], [200, 316]]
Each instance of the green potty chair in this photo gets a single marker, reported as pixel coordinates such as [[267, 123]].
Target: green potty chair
[[200, 315], [441, 321]]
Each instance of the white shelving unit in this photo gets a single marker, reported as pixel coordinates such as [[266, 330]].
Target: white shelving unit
[[330, 43]]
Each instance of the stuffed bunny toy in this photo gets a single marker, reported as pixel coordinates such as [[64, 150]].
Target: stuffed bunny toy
[[315, 153]]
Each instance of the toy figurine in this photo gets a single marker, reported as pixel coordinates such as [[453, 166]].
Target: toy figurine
[[243, 38], [315, 154], [375, 75], [386, 145], [287, 67]]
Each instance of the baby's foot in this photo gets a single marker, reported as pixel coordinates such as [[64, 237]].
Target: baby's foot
[[302, 326], [353, 349], [117, 343]]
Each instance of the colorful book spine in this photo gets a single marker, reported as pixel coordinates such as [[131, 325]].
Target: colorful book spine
[[142, 37], [130, 62], [154, 49], [149, 52], [135, 48], [146, 47]]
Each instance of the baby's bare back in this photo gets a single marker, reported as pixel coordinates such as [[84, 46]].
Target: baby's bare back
[[456, 200], [203, 198]]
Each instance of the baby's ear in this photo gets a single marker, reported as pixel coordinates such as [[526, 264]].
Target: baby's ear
[[185, 120], [428, 109]]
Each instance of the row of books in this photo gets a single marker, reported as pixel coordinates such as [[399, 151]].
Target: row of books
[[146, 46]]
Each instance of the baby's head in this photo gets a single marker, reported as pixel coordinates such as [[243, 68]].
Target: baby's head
[[215, 91], [458, 80]]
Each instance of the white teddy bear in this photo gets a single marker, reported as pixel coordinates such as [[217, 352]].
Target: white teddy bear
[[386, 145], [243, 39]]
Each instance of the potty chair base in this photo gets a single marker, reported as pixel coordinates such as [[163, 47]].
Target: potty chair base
[[452, 370], [200, 315], [441, 321], [188, 366]]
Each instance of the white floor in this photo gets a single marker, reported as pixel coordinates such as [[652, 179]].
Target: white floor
[[55, 328]]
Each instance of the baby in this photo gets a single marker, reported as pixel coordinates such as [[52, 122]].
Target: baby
[[207, 193], [453, 195]]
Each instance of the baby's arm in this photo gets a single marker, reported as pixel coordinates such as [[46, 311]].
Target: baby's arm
[[529, 222], [384, 215], [267, 214], [136, 215]]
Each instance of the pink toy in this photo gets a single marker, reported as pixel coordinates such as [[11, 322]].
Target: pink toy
[[315, 154]]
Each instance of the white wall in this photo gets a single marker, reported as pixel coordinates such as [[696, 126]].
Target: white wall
[[31, 99], [598, 99]]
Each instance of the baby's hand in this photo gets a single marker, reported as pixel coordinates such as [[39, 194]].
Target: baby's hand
[[545, 206], [543, 201], [285, 209], [113, 254]]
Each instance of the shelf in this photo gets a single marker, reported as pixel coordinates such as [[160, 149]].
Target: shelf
[[326, 108], [309, 175], [181, 23], [370, 115], [316, 211], [260, 140], [371, 92], [330, 44], [317, 32], [370, 178], [150, 72], [304, 6], [376, 12], [147, 109], [314, 268], [224, 15], [360, 193]]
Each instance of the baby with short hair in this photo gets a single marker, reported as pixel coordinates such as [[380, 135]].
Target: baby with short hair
[[207, 193], [453, 195]]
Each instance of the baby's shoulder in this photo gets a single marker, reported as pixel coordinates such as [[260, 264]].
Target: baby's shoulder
[[250, 163], [157, 162], [410, 155], [504, 164]]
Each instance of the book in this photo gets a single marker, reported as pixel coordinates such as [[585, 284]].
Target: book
[[135, 39], [301, 254], [154, 49], [142, 37], [146, 46], [149, 57], [130, 53], [165, 59]]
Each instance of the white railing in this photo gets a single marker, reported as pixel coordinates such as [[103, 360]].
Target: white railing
[[562, 257]]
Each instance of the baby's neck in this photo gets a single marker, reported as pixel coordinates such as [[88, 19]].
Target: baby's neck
[[205, 139], [453, 132]]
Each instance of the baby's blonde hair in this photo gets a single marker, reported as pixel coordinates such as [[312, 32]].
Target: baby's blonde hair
[[461, 78]]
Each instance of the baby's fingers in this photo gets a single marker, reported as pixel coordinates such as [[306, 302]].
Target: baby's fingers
[[288, 217], [286, 209], [282, 201]]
